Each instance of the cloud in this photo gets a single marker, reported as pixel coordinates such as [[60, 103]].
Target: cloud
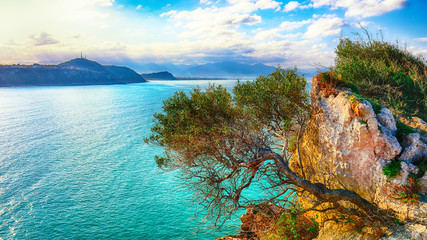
[[219, 22], [292, 5], [207, 2], [105, 3], [43, 39], [327, 25], [294, 25], [139, 7], [362, 8], [423, 39]]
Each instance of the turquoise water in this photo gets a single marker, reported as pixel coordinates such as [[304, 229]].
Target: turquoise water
[[73, 165]]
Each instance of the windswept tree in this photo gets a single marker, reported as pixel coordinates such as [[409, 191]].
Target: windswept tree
[[224, 143]]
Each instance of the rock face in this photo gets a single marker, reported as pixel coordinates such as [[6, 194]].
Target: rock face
[[347, 146], [415, 148]]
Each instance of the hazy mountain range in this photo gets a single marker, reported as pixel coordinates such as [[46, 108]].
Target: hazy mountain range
[[81, 71], [219, 69]]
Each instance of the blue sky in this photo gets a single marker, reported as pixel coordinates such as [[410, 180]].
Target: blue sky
[[299, 33]]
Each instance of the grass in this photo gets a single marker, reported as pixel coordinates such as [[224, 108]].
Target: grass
[[384, 73], [403, 130]]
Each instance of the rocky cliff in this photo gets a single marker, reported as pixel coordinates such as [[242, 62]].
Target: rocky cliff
[[348, 145], [79, 71]]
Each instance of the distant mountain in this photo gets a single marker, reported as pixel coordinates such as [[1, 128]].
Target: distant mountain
[[230, 69], [220, 69], [78, 71], [159, 76]]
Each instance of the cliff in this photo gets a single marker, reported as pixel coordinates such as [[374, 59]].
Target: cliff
[[348, 145], [79, 71]]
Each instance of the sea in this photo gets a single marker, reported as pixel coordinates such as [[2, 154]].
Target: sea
[[74, 165]]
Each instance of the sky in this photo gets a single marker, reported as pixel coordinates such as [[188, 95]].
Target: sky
[[301, 33]]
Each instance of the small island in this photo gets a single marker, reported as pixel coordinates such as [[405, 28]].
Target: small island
[[78, 71]]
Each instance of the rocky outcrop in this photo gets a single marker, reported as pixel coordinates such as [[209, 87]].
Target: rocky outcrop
[[409, 231], [347, 145], [414, 149]]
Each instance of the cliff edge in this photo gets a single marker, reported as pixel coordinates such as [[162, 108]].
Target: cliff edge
[[348, 145]]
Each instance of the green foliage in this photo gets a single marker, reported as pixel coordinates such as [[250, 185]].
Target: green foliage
[[294, 226], [375, 105], [209, 135], [383, 71], [392, 169], [187, 120], [364, 122], [422, 167], [403, 130], [409, 193], [399, 222], [277, 100]]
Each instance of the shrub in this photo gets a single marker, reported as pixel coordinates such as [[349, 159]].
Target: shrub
[[291, 225], [409, 193], [392, 169], [383, 71]]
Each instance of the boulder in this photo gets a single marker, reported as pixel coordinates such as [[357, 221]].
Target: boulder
[[410, 231], [414, 148]]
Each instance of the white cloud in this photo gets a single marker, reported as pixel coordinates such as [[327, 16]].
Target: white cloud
[[43, 39], [105, 3], [423, 39], [219, 22], [207, 2], [294, 25], [362, 8], [139, 7], [327, 25], [292, 5]]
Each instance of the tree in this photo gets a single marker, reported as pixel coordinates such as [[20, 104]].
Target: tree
[[224, 144]]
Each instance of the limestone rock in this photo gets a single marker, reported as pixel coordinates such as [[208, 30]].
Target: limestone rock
[[410, 231], [335, 231], [385, 117], [348, 150], [415, 149], [346, 145]]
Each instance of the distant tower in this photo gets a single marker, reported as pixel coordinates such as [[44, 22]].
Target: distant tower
[[81, 55]]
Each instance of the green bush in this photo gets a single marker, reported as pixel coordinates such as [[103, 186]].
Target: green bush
[[381, 70], [392, 169]]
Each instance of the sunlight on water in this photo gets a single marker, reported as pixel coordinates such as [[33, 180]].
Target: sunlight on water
[[73, 165]]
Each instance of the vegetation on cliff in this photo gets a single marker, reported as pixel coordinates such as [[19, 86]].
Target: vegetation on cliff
[[383, 71], [225, 144]]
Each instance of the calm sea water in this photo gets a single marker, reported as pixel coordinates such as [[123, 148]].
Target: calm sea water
[[73, 165]]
